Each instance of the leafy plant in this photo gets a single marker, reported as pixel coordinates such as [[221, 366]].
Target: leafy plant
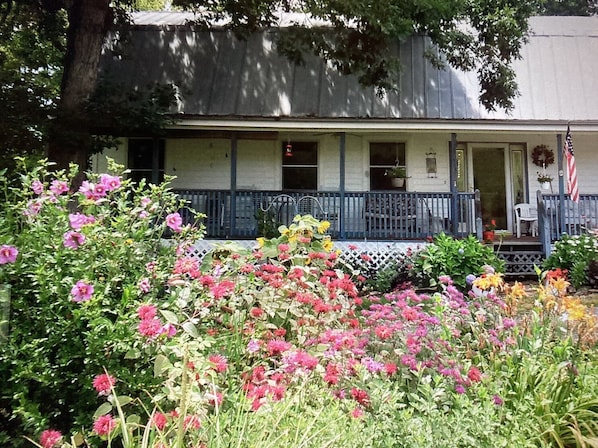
[[456, 258], [575, 254]]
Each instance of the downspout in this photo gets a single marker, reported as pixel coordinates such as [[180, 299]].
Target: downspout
[[341, 210], [233, 183]]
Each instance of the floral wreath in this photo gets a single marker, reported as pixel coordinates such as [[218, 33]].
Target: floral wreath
[[542, 156]]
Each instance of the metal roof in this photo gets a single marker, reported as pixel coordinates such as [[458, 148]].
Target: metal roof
[[221, 77]]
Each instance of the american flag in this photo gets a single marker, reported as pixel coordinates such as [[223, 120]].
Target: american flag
[[571, 170]]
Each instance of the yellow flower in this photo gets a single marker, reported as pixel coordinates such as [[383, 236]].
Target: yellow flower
[[518, 291], [261, 241], [559, 284], [574, 307], [327, 244], [488, 281], [323, 226]]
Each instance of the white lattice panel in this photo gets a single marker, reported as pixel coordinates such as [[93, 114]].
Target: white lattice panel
[[380, 252]]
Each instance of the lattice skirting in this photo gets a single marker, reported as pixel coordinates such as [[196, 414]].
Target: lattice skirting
[[521, 263], [381, 253]]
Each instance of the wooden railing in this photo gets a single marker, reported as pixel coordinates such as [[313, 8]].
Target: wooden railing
[[384, 215], [558, 215]]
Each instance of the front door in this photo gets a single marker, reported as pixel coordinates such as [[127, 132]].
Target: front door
[[498, 171], [488, 167]]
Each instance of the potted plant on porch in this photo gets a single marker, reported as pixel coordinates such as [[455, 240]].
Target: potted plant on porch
[[398, 174], [544, 180], [488, 233]]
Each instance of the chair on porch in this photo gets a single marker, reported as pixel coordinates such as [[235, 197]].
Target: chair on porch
[[311, 205], [390, 216], [525, 212], [283, 207]]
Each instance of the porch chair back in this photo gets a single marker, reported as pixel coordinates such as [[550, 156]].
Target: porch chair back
[[525, 212]]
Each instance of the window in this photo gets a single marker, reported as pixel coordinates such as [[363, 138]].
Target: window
[[384, 156], [141, 155], [299, 166]]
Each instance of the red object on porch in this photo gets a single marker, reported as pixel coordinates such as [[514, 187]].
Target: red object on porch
[[289, 150], [571, 170]]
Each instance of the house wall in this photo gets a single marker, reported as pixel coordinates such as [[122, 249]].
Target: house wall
[[205, 163]]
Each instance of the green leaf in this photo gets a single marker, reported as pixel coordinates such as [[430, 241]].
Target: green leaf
[[103, 409], [170, 316], [191, 329], [133, 353], [160, 365], [121, 400]]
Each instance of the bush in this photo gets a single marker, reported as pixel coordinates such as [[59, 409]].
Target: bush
[[83, 260], [575, 254], [456, 258]]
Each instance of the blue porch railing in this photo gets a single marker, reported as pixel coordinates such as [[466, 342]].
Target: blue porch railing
[[384, 215], [558, 215]]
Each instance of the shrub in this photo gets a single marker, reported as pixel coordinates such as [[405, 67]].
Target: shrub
[[457, 258], [85, 259], [575, 254]]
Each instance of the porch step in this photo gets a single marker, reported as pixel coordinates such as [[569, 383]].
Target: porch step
[[520, 256]]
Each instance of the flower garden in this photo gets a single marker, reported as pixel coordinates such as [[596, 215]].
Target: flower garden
[[114, 336]]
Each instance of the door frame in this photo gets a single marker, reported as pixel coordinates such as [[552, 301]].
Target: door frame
[[469, 147]]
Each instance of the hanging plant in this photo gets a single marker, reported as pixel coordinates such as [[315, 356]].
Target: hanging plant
[[542, 156]]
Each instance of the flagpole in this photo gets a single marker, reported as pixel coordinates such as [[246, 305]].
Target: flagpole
[[559, 145]]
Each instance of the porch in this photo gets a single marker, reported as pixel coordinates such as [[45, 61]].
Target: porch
[[380, 215]]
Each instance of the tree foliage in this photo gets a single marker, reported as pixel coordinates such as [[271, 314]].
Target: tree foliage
[[356, 36]]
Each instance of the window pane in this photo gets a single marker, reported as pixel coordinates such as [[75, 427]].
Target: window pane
[[384, 155], [140, 159], [300, 170], [300, 178], [304, 153]]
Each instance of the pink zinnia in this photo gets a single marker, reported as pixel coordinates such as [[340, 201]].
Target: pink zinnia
[[150, 327], [474, 374], [82, 291], [146, 312], [174, 221], [103, 383], [104, 425], [159, 420], [50, 438], [73, 239], [8, 254], [220, 362]]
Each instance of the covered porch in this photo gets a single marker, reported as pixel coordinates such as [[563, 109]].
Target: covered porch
[[381, 215]]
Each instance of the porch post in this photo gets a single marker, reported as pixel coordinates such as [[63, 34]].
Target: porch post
[[233, 183], [341, 209], [559, 151], [155, 160], [453, 182]]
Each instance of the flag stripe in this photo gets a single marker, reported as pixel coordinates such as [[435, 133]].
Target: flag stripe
[[571, 169]]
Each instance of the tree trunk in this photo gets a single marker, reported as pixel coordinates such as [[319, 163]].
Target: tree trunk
[[70, 138]]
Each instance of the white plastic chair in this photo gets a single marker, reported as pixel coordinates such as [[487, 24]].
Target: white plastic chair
[[526, 213]]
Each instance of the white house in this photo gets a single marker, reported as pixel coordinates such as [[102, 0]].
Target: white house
[[242, 108]]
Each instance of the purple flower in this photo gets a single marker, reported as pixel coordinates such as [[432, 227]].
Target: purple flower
[[497, 400], [73, 239], [58, 187], [144, 285], [8, 254], [470, 278], [37, 187], [82, 291], [174, 221], [110, 182], [78, 220]]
